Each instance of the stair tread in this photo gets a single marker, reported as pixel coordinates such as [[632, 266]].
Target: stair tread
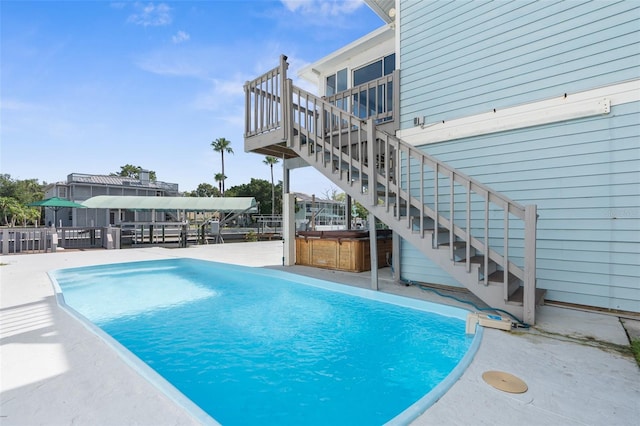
[[456, 244], [498, 277], [478, 259], [518, 296]]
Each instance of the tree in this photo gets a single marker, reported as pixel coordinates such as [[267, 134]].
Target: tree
[[357, 209], [204, 190], [9, 208], [332, 194], [270, 161], [131, 171], [222, 145], [24, 191], [15, 195], [259, 189], [219, 177]]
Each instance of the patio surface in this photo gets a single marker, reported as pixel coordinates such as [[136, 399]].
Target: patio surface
[[55, 371]]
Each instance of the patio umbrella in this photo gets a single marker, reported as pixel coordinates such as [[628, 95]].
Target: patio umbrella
[[56, 204]]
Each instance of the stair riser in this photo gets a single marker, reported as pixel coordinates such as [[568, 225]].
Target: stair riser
[[409, 229]]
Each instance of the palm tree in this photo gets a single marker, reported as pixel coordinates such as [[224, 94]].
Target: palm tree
[[270, 161], [222, 145], [220, 177]]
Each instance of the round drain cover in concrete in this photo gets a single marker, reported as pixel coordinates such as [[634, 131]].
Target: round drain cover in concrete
[[504, 381]]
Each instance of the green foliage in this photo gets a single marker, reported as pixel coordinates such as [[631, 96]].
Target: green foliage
[[357, 209], [251, 236], [14, 213], [219, 177], [14, 197], [271, 161], [260, 189], [635, 348], [24, 191], [203, 190], [222, 145], [132, 171]]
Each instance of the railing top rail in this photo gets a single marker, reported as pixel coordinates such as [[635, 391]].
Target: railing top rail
[[281, 69], [444, 166], [325, 104], [357, 89]]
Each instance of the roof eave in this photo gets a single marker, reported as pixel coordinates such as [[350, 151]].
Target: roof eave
[[310, 72], [382, 8]]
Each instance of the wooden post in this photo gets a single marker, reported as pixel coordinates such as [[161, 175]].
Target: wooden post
[[395, 257], [371, 159], [529, 297], [289, 230], [373, 250]]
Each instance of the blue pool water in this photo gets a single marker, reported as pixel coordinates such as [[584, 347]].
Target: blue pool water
[[257, 346]]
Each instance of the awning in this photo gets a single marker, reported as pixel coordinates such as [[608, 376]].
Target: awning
[[219, 204], [56, 203]]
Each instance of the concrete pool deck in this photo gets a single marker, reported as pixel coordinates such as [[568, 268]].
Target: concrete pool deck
[[54, 371]]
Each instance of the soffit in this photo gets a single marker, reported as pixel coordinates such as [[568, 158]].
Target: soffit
[[330, 62], [382, 9]]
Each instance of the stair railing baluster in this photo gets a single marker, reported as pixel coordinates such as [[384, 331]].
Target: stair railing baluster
[[371, 161], [379, 156], [270, 99], [505, 278], [422, 197], [350, 150], [409, 187], [451, 214], [436, 195], [468, 221], [486, 239]]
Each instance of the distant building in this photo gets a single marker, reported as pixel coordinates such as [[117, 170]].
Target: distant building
[[79, 187], [322, 214]]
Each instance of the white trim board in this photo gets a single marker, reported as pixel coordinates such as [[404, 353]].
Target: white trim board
[[567, 107]]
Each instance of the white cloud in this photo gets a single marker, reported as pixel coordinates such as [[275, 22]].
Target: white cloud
[[180, 37], [322, 7], [173, 62], [151, 15]]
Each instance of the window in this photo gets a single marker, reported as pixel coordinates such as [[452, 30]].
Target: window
[[336, 82], [374, 100], [375, 70], [62, 191]]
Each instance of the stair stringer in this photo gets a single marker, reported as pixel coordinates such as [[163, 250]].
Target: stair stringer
[[368, 164], [491, 294]]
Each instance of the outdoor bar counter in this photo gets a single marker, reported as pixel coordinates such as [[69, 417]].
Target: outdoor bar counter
[[347, 250]]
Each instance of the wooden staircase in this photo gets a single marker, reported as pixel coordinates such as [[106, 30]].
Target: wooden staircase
[[481, 238]]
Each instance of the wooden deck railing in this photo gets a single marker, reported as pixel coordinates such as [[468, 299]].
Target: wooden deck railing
[[399, 181]]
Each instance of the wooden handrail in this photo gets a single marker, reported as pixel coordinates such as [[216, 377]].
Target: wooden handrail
[[401, 178]]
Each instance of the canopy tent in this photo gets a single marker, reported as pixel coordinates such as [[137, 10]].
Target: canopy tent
[[224, 205], [56, 204]]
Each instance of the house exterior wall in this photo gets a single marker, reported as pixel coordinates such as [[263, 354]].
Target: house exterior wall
[[461, 59], [352, 57], [464, 58], [81, 187]]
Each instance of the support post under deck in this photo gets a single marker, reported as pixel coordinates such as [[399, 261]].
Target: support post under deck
[[373, 250]]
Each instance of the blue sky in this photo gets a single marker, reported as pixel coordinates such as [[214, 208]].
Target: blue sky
[[89, 86]]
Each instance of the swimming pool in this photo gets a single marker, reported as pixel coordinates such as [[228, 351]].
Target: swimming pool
[[252, 345]]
